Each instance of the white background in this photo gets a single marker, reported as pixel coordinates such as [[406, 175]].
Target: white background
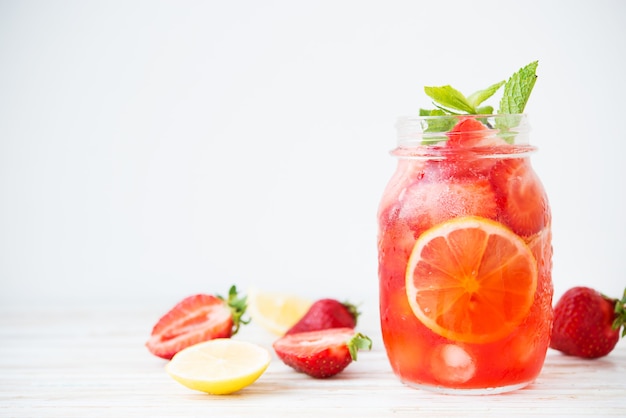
[[151, 149]]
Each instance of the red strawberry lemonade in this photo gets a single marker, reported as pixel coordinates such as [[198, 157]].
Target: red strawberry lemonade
[[465, 256]]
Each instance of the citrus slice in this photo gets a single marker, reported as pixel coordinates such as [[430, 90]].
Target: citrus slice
[[219, 366], [276, 312], [471, 279]]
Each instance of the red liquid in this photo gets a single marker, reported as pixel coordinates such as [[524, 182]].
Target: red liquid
[[425, 193]]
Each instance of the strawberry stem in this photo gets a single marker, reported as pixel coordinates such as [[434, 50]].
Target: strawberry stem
[[238, 305], [353, 309], [620, 314], [358, 342]]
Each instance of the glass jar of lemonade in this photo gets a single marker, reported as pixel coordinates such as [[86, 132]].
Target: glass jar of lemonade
[[465, 256]]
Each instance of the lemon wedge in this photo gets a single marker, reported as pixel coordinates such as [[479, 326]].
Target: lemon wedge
[[220, 366], [276, 311]]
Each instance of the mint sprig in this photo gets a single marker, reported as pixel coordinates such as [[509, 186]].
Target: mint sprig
[[450, 101], [481, 95], [517, 90]]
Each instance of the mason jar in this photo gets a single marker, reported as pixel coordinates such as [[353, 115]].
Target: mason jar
[[464, 252]]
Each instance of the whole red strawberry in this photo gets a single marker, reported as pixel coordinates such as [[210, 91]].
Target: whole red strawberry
[[587, 323], [324, 314], [323, 353], [196, 319]]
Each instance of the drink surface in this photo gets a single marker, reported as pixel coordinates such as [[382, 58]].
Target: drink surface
[[465, 268]]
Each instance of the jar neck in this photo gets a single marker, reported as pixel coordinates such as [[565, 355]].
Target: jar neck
[[433, 130], [443, 153]]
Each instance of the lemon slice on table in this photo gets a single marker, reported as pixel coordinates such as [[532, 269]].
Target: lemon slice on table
[[471, 279], [220, 366], [276, 311]]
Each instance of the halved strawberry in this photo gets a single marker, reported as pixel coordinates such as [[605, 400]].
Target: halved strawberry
[[321, 354], [196, 319], [521, 197]]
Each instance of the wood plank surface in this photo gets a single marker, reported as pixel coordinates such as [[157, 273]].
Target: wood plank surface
[[71, 362]]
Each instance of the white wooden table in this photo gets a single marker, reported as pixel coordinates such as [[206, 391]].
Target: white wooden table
[[71, 362]]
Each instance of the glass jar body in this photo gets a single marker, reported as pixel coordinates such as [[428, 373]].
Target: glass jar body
[[465, 260]]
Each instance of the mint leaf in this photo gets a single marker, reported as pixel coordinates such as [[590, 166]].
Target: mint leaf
[[440, 125], [481, 95], [517, 89], [485, 110], [432, 112], [449, 98], [450, 102], [437, 124]]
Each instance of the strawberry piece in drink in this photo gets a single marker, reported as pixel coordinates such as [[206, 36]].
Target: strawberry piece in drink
[[428, 204], [468, 133], [521, 196]]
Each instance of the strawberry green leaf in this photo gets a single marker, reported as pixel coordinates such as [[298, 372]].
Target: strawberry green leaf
[[353, 310], [358, 342], [448, 97], [480, 96], [517, 89], [238, 305], [620, 315]]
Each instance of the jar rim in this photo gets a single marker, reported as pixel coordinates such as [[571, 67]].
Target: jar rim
[[417, 130], [463, 115]]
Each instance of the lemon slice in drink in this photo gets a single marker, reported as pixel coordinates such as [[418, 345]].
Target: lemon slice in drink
[[276, 311], [220, 366], [471, 279]]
